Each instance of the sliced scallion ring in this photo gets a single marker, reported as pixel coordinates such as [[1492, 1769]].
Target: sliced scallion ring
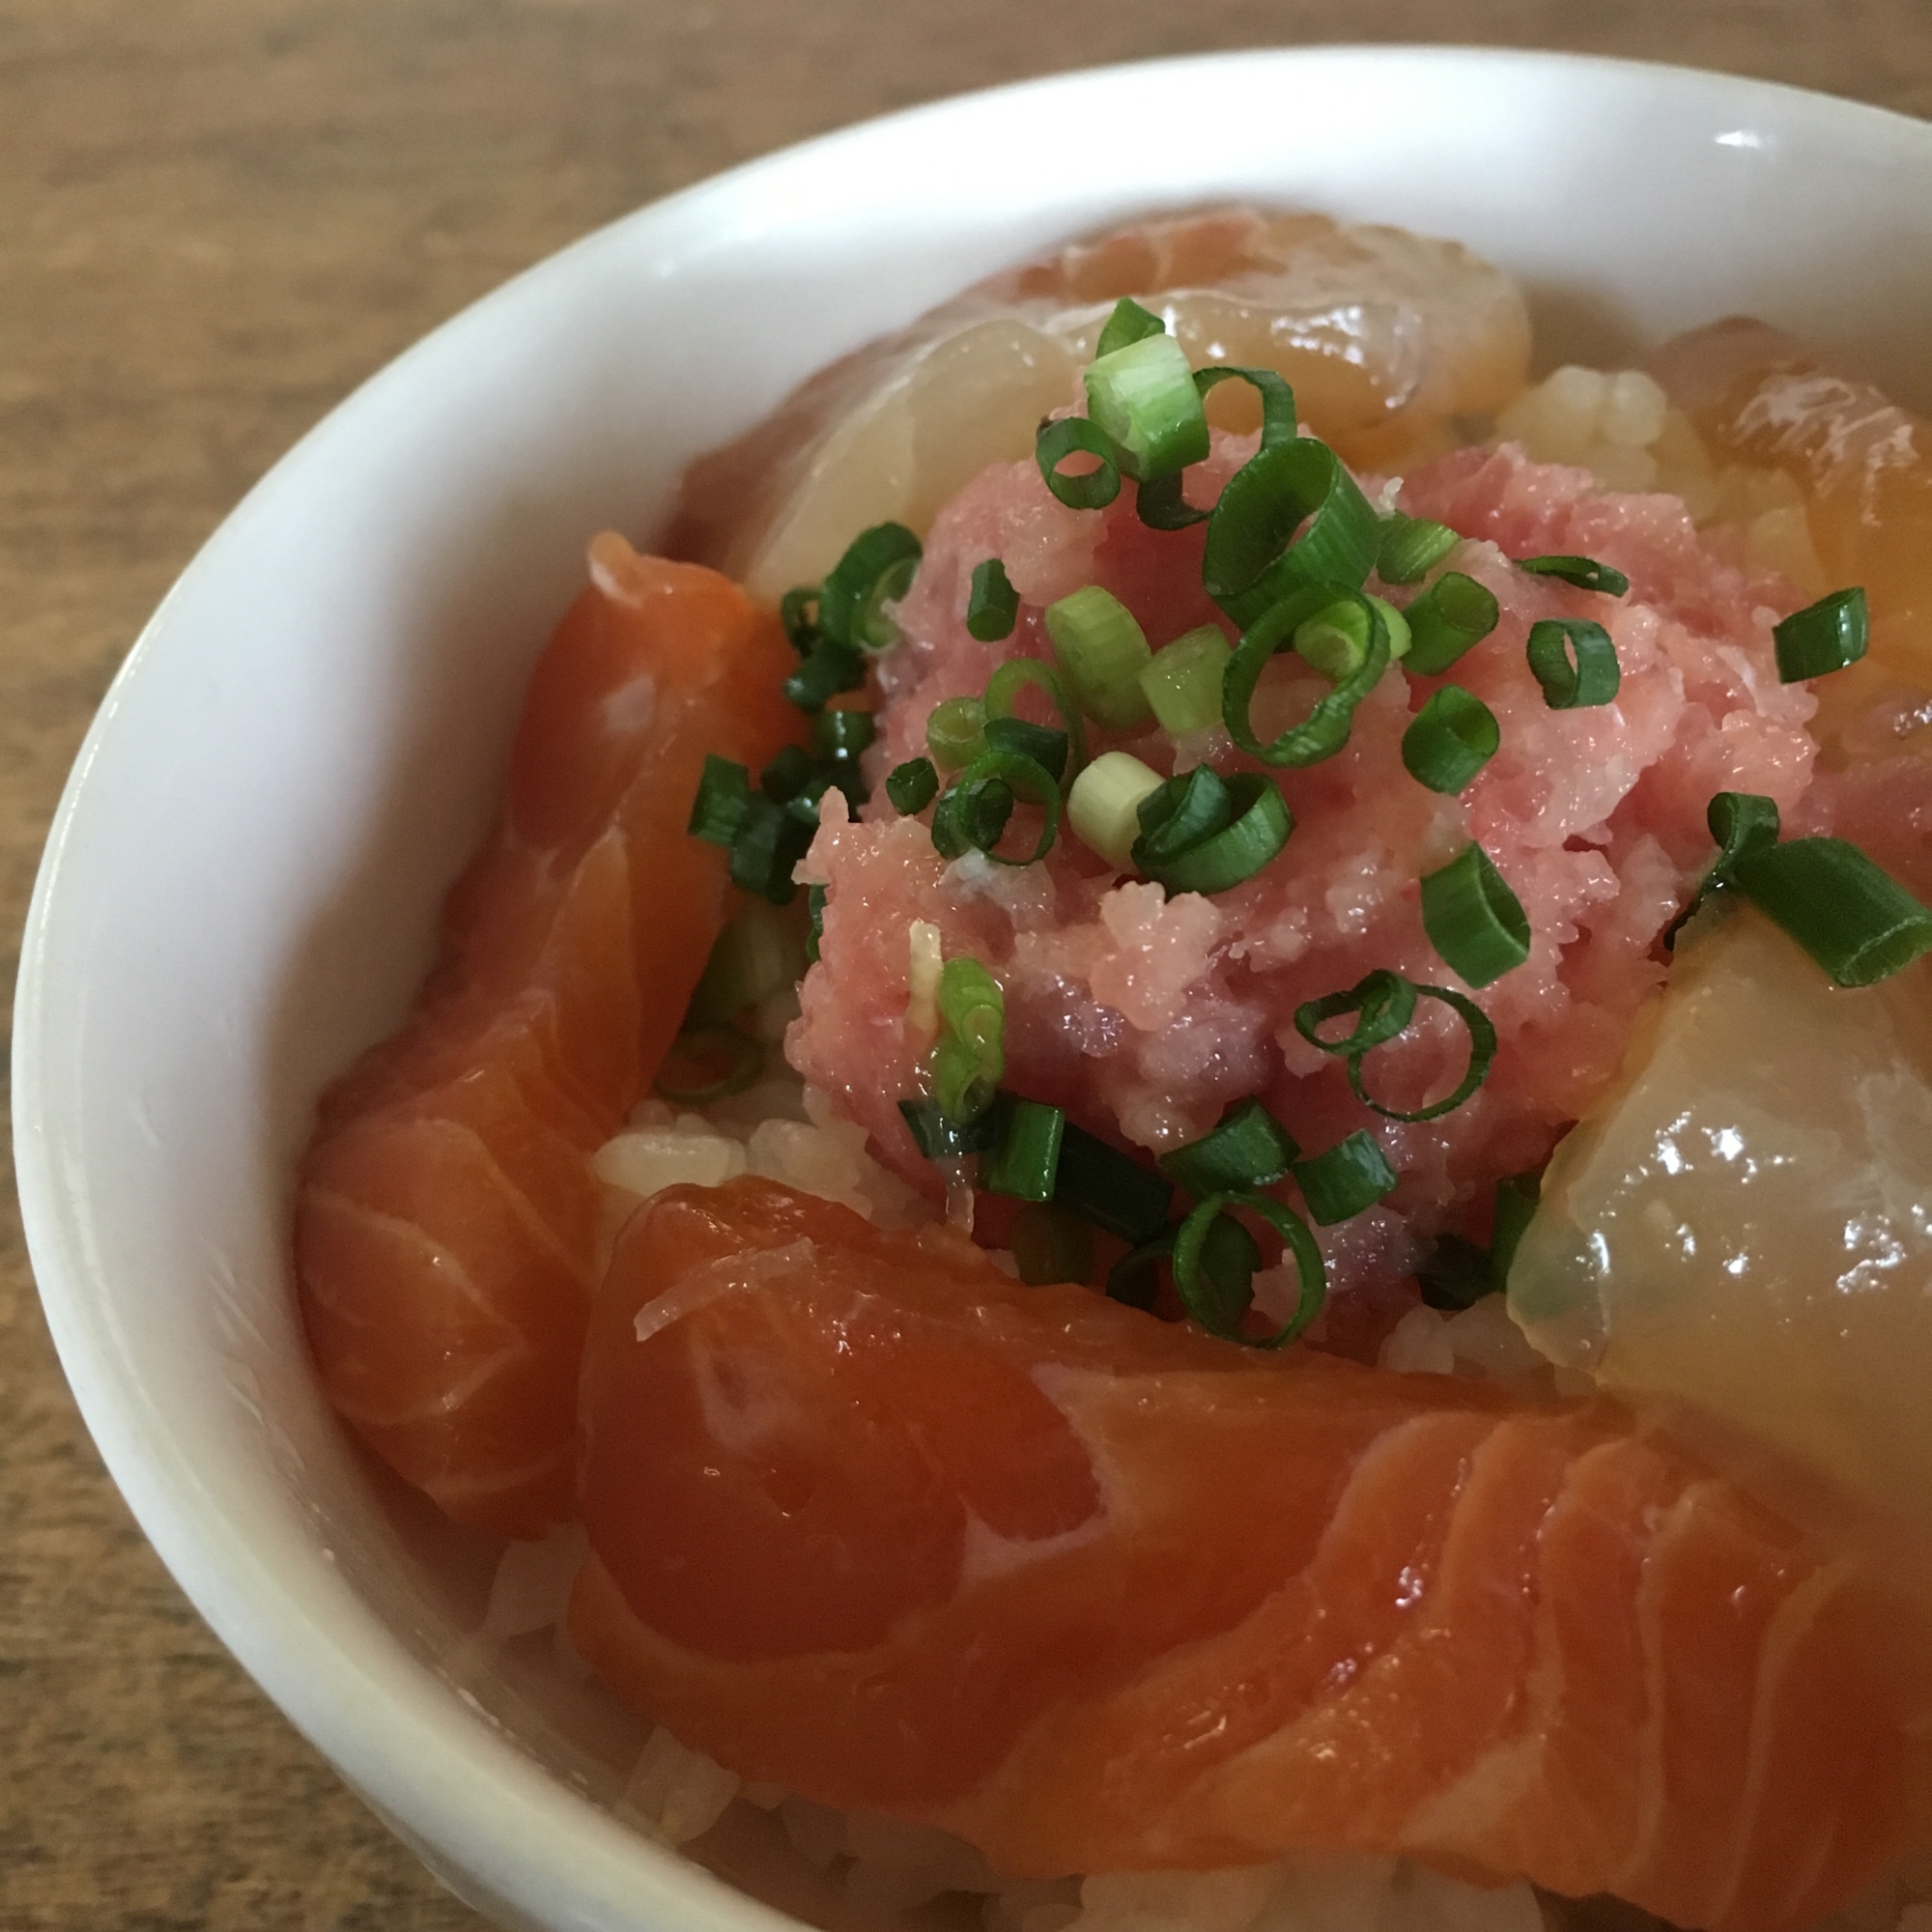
[[724, 794], [1383, 1002], [1278, 420], [877, 569], [1043, 744], [1824, 637], [1482, 1053], [973, 810], [1450, 740], [1245, 1149], [1070, 435], [1741, 822], [1219, 1304], [1473, 918], [1291, 515], [992, 603], [1110, 1188], [955, 733], [1412, 547], [1102, 651], [1003, 691], [1050, 1244], [1351, 1176], [1143, 397], [1574, 662], [1584, 572], [912, 786], [829, 668], [1453, 614], [1128, 324], [1849, 913], [939, 1139], [1183, 681], [1255, 824], [1325, 729]]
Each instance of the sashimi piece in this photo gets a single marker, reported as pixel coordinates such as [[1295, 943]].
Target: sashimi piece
[[449, 1229], [1385, 337], [871, 1520]]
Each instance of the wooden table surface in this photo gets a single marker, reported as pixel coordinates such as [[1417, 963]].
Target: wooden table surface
[[217, 218]]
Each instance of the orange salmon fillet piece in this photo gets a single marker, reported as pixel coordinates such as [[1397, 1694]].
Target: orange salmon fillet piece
[[871, 1520], [449, 1229]]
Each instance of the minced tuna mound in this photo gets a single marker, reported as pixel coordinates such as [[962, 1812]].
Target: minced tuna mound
[[1144, 1017]]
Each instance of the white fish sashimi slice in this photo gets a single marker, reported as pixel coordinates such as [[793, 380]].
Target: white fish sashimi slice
[[1386, 336]]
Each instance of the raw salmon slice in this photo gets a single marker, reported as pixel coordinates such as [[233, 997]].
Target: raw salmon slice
[[871, 1522], [450, 1229]]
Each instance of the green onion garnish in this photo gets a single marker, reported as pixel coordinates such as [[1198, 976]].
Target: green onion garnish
[[1473, 918], [1325, 729], [798, 614], [1143, 397], [1103, 652], [1592, 677], [830, 669], [1255, 557], [1385, 1004], [815, 928], [1450, 739], [1394, 622], [1109, 1188], [1453, 614], [1024, 1161], [1217, 1287], [1003, 690], [955, 733], [973, 810], [1247, 1148], [1353, 1174], [1134, 1280], [1201, 834], [1278, 423], [1335, 640], [1068, 436], [1824, 637], [1412, 547], [1103, 806], [969, 1055], [706, 1063], [877, 569], [1051, 1244], [755, 955], [843, 735], [1041, 742], [771, 840], [1455, 1276], [1182, 683], [912, 786], [1128, 324], [724, 794], [790, 767], [939, 1139], [1850, 915], [1741, 822], [1515, 1204], [992, 605], [1161, 505], [1584, 572]]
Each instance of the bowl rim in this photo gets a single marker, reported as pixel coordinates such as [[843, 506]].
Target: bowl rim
[[438, 1774]]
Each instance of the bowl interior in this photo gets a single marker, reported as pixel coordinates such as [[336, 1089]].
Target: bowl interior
[[242, 887]]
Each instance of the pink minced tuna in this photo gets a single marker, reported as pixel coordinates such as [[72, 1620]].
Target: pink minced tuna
[[1144, 1017]]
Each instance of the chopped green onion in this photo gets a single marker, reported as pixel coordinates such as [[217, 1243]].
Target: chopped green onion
[[877, 569], [1103, 805], [1450, 739], [1515, 1204], [1024, 1163], [1110, 1188], [1128, 324], [1850, 915], [1278, 423], [1412, 547], [1456, 1275], [1134, 1280], [969, 1055], [798, 614], [830, 669], [1189, 807], [770, 840], [912, 786], [789, 770], [1217, 1288], [723, 795], [1394, 622], [755, 955], [1289, 517], [973, 811], [1183, 682], [1354, 1175], [992, 605], [1247, 1148], [1482, 1054], [1050, 1244], [1584, 572], [814, 930], [843, 775], [1161, 504], [1003, 690], [1473, 918], [1383, 1003], [1824, 637], [1254, 825], [1335, 640], [1741, 822], [1041, 742], [1594, 675], [1143, 397], [1453, 614], [1068, 436], [955, 733], [939, 1139], [706, 1063], [1325, 729], [1102, 651], [843, 735]]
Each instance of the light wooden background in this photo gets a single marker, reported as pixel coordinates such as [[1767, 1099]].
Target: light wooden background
[[217, 218]]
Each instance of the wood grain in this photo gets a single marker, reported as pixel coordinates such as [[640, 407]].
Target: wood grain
[[216, 216]]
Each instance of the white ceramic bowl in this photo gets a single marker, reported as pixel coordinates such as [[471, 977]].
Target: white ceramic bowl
[[241, 887]]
